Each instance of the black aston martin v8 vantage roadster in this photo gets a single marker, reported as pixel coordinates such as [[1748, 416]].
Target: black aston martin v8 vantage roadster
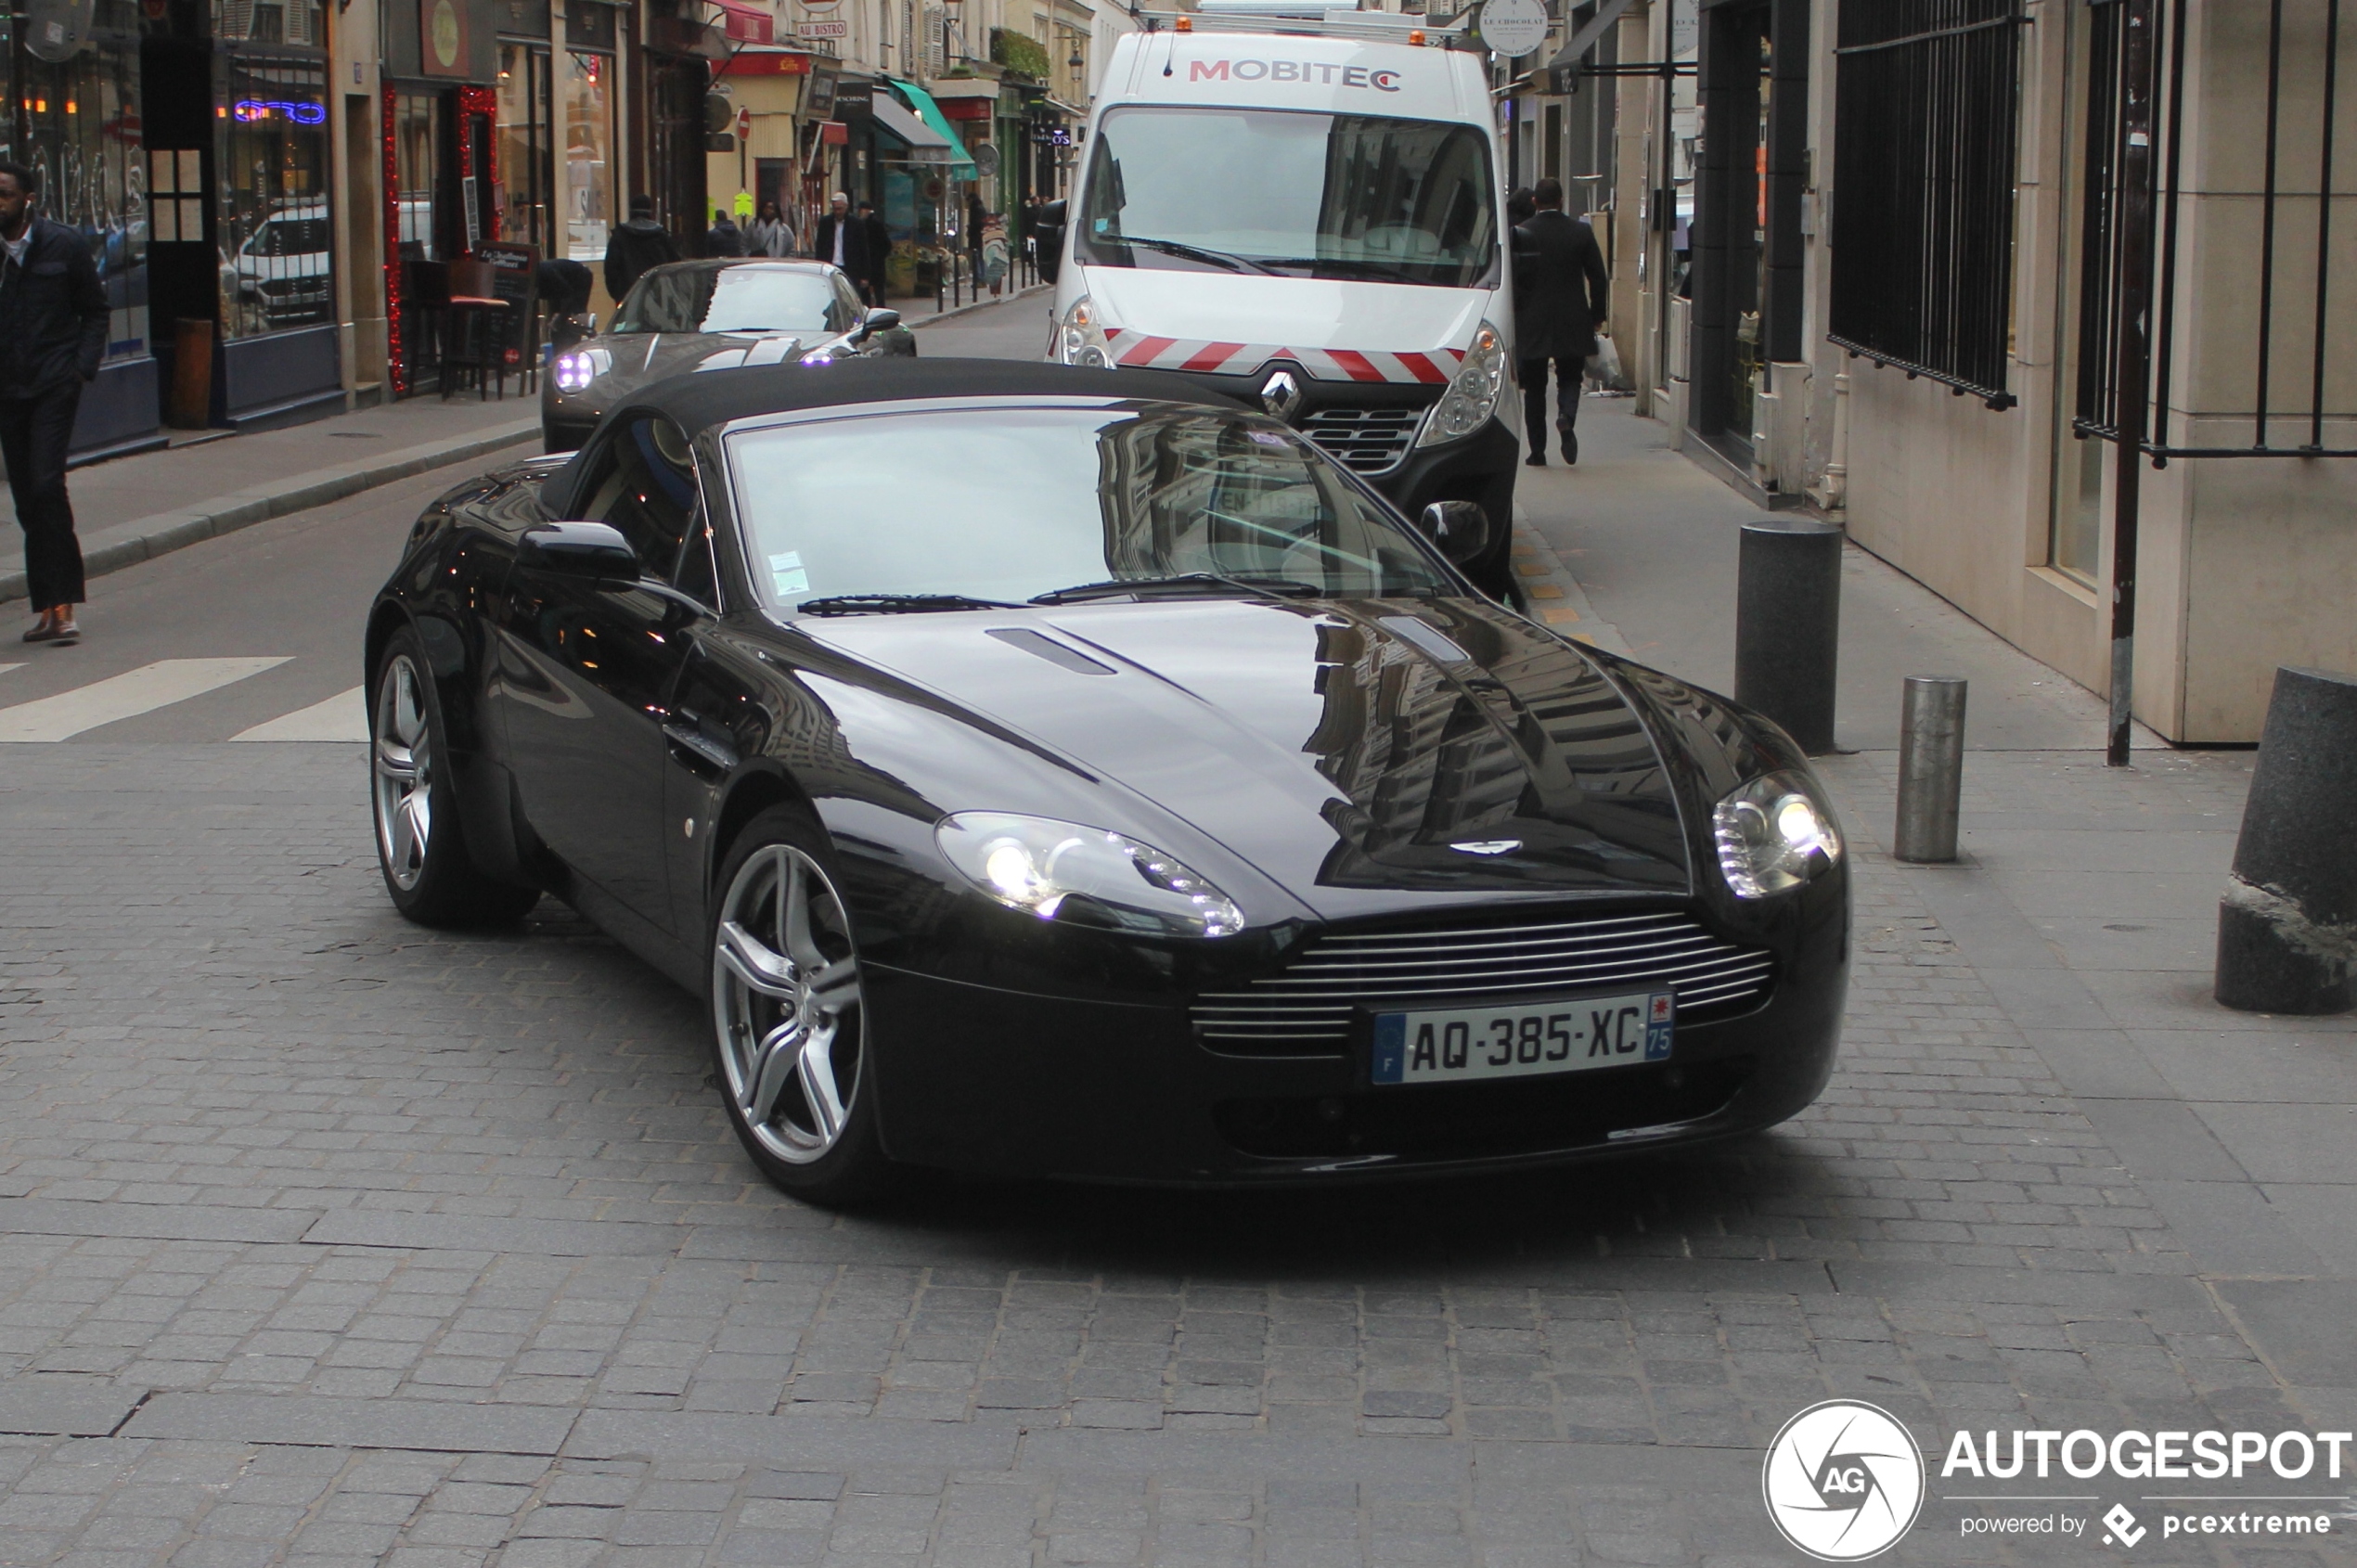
[[1060, 772]]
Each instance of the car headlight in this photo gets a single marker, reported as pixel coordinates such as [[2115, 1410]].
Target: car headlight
[[819, 356], [1081, 336], [1472, 393], [575, 371], [1774, 834], [1087, 876]]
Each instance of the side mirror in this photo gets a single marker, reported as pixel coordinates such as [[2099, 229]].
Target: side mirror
[[877, 319], [1048, 229], [1459, 528], [590, 552]]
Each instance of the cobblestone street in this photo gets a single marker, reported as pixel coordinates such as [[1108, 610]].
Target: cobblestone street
[[327, 1240]]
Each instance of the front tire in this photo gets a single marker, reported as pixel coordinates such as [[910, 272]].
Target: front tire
[[421, 848], [791, 1047]]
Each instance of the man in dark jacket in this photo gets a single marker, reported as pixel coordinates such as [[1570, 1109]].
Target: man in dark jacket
[[53, 331], [840, 240], [635, 247], [725, 238], [1560, 288], [879, 249]]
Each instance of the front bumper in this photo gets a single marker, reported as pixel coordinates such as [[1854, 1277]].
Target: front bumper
[[978, 1079]]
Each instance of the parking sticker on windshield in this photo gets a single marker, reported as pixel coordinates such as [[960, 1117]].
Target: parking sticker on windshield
[[786, 575]]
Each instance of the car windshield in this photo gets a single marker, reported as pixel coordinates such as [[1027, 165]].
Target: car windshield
[[1342, 196], [1006, 504], [705, 299]]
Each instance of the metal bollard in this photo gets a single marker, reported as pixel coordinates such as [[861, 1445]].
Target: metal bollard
[[1788, 624], [2287, 926], [1931, 767]]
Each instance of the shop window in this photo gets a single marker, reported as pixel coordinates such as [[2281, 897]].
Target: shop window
[[1926, 100], [83, 116], [525, 214], [589, 170], [273, 219], [416, 166]]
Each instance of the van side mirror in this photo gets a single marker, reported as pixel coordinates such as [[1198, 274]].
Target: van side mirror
[[1459, 528], [593, 552], [1048, 234]]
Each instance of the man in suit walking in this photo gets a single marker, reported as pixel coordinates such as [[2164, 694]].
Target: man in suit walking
[[1560, 289], [53, 332], [842, 240]]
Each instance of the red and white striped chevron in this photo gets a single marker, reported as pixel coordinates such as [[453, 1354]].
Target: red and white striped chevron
[[1142, 351]]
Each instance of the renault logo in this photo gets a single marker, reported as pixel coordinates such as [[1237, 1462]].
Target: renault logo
[[1280, 394]]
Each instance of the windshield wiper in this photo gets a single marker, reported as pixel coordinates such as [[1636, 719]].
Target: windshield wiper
[[1281, 587], [894, 604], [1188, 253], [1378, 270]]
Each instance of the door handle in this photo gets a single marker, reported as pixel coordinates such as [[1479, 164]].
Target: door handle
[[709, 749]]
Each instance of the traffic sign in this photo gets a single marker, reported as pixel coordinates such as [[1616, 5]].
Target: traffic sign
[[1514, 28]]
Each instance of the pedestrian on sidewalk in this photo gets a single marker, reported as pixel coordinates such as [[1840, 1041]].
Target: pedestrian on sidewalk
[[879, 247], [724, 238], [53, 330], [993, 253], [637, 246], [1560, 287], [841, 240], [770, 235]]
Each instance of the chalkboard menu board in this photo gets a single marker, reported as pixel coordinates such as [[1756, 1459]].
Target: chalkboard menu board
[[515, 271]]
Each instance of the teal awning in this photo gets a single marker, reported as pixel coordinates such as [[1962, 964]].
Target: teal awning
[[961, 162]]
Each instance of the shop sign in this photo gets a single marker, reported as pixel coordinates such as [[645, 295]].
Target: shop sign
[[823, 29]]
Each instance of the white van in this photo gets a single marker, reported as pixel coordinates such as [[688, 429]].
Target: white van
[[1306, 210]]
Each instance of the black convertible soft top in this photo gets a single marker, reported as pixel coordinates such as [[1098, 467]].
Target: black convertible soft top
[[701, 399]]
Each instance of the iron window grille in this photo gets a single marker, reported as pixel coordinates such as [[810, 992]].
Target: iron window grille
[[1925, 120], [2291, 351]]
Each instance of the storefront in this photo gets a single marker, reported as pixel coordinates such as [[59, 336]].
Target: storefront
[[525, 153], [440, 106], [763, 86], [77, 122]]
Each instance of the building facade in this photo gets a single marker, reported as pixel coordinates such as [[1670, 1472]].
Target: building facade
[[1882, 257]]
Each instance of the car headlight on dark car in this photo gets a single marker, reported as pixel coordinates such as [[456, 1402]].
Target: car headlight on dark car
[[1773, 834], [1085, 876], [573, 371]]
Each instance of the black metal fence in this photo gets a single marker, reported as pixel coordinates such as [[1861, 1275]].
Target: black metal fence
[[2280, 386], [1925, 113]]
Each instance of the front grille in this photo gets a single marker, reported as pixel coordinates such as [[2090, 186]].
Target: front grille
[[1367, 441], [1305, 1008]]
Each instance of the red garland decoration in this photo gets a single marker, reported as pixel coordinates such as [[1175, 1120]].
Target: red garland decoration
[[395, 365]]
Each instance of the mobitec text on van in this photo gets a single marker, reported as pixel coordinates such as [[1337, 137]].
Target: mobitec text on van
[[1305, 212]]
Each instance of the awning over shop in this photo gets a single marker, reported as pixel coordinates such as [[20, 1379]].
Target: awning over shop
[[961, 164], [925, 145], [743, 22]]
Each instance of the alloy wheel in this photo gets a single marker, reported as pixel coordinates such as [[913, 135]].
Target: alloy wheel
[[403, 765], [786, 994]]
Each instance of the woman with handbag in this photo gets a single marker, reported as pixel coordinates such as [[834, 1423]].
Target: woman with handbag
[[993, 253]]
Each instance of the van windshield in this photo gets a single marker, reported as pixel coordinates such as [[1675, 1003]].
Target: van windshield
[[1340, 196]]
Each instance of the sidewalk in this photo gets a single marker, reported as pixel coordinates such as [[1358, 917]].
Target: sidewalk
[[2058, 975], [137, 507]]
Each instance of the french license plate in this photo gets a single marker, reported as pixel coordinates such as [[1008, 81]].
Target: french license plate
[[1522, 1039]]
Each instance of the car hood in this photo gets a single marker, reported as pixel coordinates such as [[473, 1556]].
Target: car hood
[[1339, 748], [643, 357], [1297, 312]]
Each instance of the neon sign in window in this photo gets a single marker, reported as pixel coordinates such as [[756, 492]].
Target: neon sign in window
[[253, 110]]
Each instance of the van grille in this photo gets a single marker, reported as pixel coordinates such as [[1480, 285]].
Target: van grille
[[1367, 441], [1305, 1008]]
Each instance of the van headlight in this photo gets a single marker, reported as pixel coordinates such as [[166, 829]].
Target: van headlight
[[1081, 336], [575, 371], [1472, 393], [1085, 876], [1773, 834]]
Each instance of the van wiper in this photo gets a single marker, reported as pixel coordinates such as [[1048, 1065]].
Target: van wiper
[[894, 604], [1282, 588], [1190, 252]]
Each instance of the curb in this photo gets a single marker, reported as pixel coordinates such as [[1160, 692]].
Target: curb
[[1557, 601], [127, 544], [956, 311]]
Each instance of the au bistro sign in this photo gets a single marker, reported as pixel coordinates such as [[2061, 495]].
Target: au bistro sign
[[1323, 72]]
